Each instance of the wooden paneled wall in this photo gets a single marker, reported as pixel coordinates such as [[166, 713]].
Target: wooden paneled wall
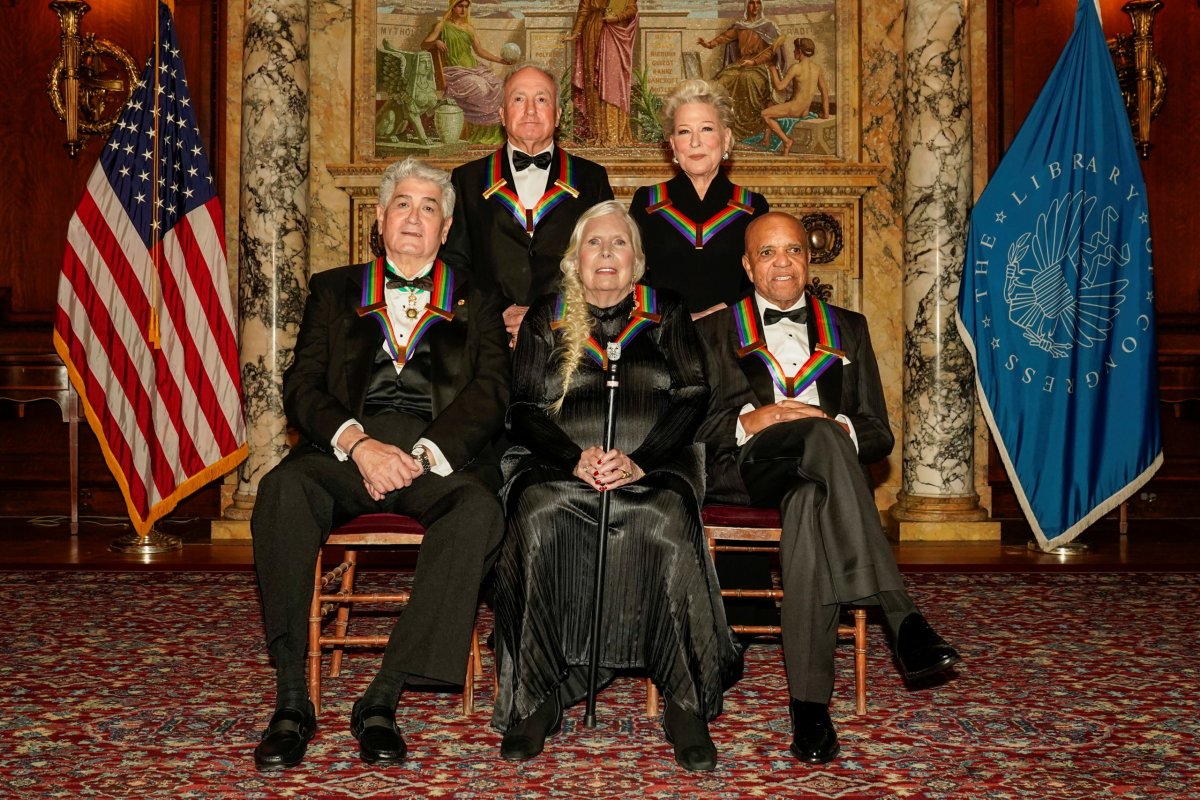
[[39, 190]]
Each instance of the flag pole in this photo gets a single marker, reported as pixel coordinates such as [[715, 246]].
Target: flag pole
[[153, 541]]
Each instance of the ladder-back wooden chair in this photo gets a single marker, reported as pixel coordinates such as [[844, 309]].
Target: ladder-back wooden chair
[[333, 593]]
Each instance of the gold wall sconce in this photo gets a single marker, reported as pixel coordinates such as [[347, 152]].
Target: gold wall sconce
[[1141, 75], [91, 80]]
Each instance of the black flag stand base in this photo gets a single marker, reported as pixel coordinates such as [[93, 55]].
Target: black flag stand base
[[153, 542]]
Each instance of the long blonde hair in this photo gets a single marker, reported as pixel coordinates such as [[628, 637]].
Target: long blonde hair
[[577, 320]]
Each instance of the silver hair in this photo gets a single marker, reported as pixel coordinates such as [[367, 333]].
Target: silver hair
[[537, 65], [570, 260], [697, 90], [415, 168]]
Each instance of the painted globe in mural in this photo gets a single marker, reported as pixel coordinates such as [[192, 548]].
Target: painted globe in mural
[[511, 52]]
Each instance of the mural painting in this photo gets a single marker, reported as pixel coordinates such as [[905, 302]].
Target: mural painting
[[439, 66]]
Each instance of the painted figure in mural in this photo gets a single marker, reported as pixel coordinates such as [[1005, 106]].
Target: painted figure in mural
[[751, 45], [398, 391], [407, 90], [799, 444], [517, 206], [662, 606], [472, 85], [806, 79], [602, 80], [694, 228]]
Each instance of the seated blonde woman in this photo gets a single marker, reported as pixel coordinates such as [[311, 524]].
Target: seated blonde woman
[[662, 611]]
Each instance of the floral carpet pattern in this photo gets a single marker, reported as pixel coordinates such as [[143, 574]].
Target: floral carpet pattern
[[157, 685]]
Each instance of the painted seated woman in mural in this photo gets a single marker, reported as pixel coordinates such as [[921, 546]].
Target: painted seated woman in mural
[[751, 45], [472, 85]]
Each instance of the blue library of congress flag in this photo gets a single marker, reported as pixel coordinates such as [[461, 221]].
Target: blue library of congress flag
[[1057, 300]]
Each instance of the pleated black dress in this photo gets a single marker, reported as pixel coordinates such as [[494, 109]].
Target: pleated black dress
[[703, 277], [662, 611]]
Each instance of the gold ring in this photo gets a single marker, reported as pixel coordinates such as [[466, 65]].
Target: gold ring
[[626, 474]]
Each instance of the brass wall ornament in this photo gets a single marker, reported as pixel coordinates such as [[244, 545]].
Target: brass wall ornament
[[1141, 75], [91, 80], [824, 237]]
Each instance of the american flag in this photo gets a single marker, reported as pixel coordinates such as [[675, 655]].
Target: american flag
[[144, 321]]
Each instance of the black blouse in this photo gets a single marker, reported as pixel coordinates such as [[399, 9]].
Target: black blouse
[[703, 277]]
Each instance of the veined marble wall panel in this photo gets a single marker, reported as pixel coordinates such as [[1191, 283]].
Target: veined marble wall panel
[[882, 25], [330, 128]]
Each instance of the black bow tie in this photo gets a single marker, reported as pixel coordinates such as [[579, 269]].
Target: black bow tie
[[424, 283], [771, 316], [521, 161]]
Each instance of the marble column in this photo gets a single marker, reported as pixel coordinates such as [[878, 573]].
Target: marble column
[[273, 235], [937, 483]]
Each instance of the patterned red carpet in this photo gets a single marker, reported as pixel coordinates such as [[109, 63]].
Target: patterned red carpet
[[156, 685]]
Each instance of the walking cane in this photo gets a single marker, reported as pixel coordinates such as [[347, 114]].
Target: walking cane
[[613, 352]]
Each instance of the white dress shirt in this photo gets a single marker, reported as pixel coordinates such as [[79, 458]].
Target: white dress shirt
[[403, 326], [531, 181], [788, 342]]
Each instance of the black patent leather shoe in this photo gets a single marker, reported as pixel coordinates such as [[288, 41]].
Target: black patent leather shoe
[[527, 738], [814, 740], [379, 740], [285, 741], [694, 748], [919, 651]]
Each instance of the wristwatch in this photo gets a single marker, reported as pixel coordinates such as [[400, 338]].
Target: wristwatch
[[422, 456]]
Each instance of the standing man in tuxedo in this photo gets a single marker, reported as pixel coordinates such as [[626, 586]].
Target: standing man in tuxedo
[[797, 409], [398, 391], [517, 207]]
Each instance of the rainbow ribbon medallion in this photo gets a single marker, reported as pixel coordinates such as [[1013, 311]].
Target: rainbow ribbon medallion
[[825, 353], [562, 188], [438, 309], [645, 313], [700, 234]]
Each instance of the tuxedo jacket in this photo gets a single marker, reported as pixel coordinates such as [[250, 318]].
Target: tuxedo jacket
[[335, 359], [852, 389], [489, 242]]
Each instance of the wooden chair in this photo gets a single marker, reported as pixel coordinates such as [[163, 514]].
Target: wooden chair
[[751, 527], [368, 530]]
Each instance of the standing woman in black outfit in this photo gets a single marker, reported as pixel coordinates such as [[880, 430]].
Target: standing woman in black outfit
[[662, 610], [694, 225]]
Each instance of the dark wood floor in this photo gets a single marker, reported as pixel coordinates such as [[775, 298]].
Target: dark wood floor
[[1159, 546]]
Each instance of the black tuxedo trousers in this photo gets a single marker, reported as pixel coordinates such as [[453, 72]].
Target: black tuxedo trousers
[[310, 492], [833, 550]]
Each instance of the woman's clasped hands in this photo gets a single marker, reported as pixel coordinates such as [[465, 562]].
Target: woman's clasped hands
[[606, 470]]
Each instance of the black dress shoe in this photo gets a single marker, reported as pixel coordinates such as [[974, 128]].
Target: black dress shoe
[[527, 738], [694, 748], [285, 741], [919, 651], [814, 741], [379, 740]]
